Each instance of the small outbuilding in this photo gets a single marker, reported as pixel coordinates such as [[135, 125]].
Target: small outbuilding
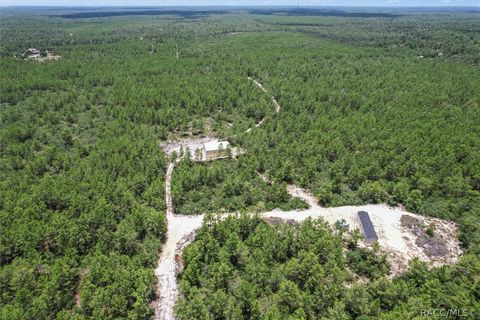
[[32, 53], [214, 150], [367, 227]]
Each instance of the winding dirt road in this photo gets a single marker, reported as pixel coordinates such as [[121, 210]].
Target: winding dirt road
[[397, 241], [394, 239], [275, 102], [179, 227]]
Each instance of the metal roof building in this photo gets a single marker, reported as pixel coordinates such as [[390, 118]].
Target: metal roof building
[[367, 227], [214, 150]]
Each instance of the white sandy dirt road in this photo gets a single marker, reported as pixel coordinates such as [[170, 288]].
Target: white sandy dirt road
[[396, 240], [178, 227], [275, 102]]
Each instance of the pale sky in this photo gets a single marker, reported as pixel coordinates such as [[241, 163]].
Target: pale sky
[[379, 3]]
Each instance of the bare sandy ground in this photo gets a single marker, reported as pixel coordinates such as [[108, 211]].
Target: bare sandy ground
[[397, 241], [172, 146], [192, 145], [178, 228], [48, 58], [394, 239]]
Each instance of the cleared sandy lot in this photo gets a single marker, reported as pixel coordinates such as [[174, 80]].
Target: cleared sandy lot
[[400, 233], [179, 227], [398, 241]]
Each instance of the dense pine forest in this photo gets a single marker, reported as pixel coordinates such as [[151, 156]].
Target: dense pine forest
[[226, 186], [376, 108], [244, 269]]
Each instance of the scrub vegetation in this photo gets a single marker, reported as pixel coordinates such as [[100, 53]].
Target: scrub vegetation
[[245, 269], [375, 108]]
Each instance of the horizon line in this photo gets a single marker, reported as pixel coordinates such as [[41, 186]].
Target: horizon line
[[238, 6]]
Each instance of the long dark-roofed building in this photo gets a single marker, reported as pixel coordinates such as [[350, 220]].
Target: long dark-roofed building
[[367, 227]]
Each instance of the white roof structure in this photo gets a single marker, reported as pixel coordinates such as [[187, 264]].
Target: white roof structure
[[215, 145]]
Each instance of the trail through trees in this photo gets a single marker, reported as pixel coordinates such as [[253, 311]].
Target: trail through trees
[[179, 227], [399, 242], [275, 102]]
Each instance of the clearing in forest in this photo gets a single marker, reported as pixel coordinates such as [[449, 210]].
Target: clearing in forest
[[398, 240], [402, 235]]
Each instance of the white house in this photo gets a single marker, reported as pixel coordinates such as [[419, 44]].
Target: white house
[[214, 150], [33, 53]]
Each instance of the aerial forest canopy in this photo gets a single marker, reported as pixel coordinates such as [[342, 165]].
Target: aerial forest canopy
[[376, 108], [244, 269]]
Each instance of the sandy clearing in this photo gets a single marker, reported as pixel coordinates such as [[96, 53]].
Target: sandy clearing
[[397, 241], [193, 145], [178, 228], [49, 57], [172, 146]]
